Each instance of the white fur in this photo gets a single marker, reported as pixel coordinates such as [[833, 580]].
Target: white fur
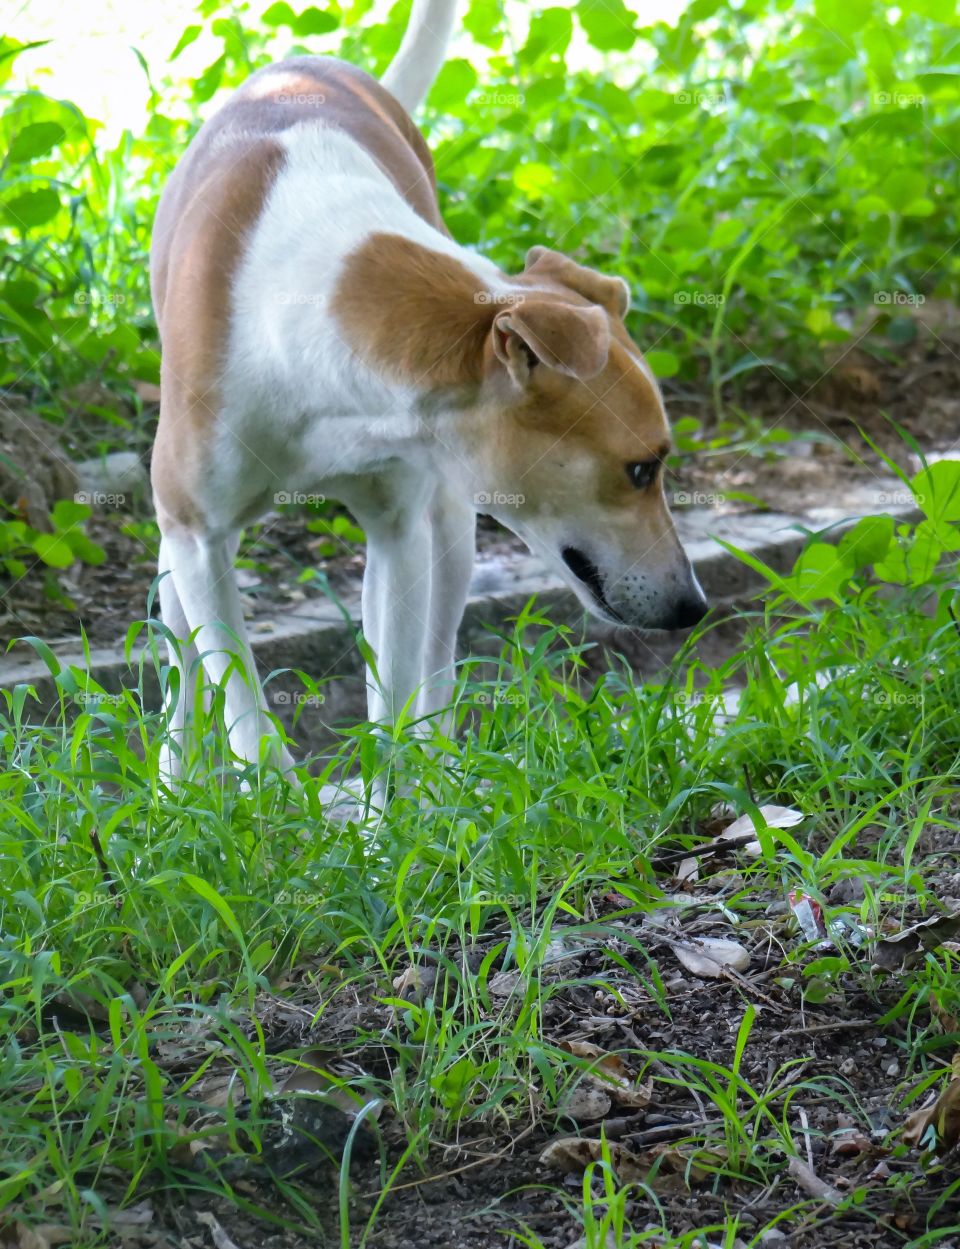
[[411, 73]]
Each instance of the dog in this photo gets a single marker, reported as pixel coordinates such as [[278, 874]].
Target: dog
[[322, 332]]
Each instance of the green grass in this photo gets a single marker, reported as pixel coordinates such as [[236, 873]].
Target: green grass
[[146, 935]]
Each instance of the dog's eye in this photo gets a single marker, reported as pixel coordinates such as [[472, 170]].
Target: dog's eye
[[643, 474]]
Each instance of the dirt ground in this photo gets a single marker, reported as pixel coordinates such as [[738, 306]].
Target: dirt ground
[[831, 1073]]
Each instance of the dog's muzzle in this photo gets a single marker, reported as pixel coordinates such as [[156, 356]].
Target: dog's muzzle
[[585, 570]]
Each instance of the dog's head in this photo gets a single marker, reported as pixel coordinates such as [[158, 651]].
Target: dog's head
[[574, 436], [538, 407]]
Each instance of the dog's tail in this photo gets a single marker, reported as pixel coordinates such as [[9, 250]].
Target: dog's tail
[[410, 74]]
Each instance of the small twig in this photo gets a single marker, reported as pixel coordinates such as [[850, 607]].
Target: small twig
[[811, 1183], [805, 1126], [664, 1132], [833, 1026], [750, 987]]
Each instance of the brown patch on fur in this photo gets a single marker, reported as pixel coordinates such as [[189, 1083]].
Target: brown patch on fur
[[609, 293], [425, 318], [198, 244], [416, 313], [603, 423]]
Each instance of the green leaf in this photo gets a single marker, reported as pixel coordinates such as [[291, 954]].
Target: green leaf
[[35, 140], [820, 572], [663, 363], [53, 549], [189, 35], [279, 14], [314, 21], [549, 34], [868, 541], [33, 208], [208, 82], [902, 187], [937, 490], [608, 24], [68, 512], [534, 179], [454, 83]]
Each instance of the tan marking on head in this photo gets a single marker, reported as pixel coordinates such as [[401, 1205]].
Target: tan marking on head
[[542, 264]]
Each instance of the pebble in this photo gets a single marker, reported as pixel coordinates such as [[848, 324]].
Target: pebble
[[892, 1068], [848, 1067]]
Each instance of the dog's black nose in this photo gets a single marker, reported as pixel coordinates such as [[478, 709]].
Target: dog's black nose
[[687, 613]]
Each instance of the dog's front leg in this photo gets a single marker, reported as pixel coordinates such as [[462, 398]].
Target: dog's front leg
[[396, 598], [453, 525], [201, 567]]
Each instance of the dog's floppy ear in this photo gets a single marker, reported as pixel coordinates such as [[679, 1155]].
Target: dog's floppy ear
[[610, 293], [567, 337]]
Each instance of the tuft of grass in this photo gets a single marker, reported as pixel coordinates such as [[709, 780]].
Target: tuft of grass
[[150, 940]]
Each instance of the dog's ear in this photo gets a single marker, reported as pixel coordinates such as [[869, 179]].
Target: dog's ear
[[613, 294], [569, 338]]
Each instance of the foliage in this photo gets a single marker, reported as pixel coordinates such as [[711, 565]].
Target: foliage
[[759, 172]]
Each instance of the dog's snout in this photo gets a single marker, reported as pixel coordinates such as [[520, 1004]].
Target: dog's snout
[[688, 612]]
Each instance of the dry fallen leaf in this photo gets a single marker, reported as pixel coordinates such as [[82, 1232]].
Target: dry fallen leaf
[[573, 1154], [220, 1238], [707, 956], [40, 1236], [907, 948], [850, 1141], [942, 1115], [415, 984], [774, 816], [688, 871], [586, 1103], [610, 1076]]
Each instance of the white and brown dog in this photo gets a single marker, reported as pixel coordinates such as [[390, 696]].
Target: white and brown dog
[[323, 333]]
